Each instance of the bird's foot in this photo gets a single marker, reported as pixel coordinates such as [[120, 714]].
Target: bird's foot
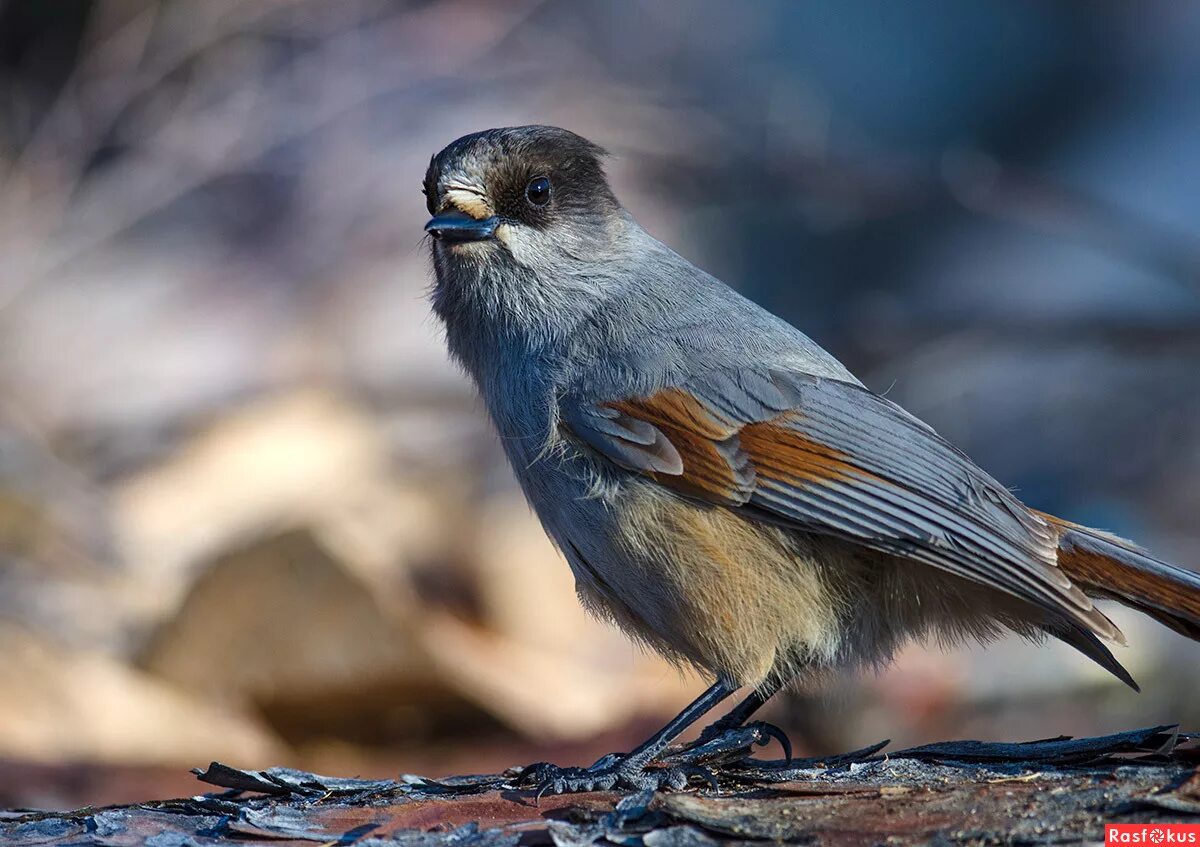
[[611, 771]]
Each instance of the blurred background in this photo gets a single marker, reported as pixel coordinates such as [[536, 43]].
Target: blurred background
[[250, 512]]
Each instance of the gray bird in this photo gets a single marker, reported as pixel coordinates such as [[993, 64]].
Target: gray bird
[[724, 489]]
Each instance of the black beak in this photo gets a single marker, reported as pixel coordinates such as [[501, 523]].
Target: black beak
[[459, 226]]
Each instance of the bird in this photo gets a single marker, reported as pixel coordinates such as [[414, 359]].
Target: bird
[[723, 489]]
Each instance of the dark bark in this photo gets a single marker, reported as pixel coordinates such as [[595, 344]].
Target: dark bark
[[1054, 791]]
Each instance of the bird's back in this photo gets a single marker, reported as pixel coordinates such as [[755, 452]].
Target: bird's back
[[674, 321]]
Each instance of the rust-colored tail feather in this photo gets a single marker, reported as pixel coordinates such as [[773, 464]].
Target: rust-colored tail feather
[[1106, 566]]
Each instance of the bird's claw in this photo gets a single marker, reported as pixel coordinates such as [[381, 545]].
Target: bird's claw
[[610, 772], [731, 743], [767, 731]]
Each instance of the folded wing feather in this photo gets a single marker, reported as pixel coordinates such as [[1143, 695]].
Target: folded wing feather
[[834, 458]]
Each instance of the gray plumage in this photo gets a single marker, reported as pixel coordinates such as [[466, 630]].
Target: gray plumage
[[722, 487]]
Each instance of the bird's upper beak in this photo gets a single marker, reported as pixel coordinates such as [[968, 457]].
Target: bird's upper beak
[[453, 225]]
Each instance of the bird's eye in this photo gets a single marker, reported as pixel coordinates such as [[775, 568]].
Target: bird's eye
[[538, 191]]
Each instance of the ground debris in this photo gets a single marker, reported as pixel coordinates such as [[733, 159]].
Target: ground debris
[[1058, 790]]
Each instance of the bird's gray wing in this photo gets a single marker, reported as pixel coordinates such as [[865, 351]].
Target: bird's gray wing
[[831, 457]]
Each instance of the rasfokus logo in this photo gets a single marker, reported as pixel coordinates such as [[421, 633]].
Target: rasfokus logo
[[1152, 833]]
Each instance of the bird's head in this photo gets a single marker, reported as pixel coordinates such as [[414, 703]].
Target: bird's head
[[524, 224]]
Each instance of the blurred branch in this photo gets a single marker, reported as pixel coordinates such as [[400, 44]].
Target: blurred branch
[[42, 185], [198, 130]]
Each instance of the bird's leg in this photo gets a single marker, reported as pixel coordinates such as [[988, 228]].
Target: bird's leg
[[630, 771], [722, 735]]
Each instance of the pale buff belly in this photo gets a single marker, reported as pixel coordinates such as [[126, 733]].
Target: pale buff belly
[[716, 590], [723, 592]]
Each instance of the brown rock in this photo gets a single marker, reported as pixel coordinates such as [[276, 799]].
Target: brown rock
[[82, 705], [286, 626]]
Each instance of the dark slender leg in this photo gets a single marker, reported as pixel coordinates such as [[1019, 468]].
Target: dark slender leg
[[701, 706], [740, 714], [630, 770]]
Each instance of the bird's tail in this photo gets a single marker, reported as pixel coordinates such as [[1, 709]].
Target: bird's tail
[[1106, 566]]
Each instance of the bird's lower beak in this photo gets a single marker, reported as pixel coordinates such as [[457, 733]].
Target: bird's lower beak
[[459, 226]]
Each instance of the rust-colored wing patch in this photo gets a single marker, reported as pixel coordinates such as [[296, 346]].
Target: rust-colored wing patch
[[720, 456], [674, 408], [714, 467], [784, 454]]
